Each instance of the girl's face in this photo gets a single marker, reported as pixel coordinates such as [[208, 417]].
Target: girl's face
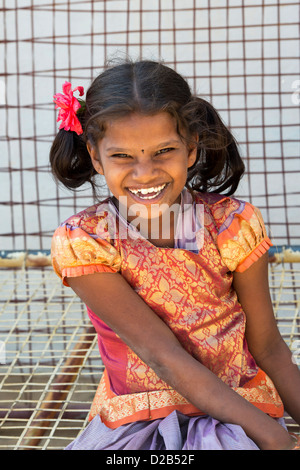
[[144, 159]]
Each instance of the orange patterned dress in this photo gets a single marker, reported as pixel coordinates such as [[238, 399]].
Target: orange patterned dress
[[189, 288]]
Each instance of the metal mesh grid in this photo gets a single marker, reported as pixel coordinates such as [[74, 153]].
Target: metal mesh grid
[[52, 365], [242, 56]]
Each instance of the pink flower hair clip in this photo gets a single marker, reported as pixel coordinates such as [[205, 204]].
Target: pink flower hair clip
[[69, 105]]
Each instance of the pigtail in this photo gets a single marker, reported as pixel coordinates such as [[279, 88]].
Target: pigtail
[[69, 158], [219, 166]]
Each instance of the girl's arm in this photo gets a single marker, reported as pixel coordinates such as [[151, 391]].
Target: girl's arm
[[111, 298], [264, 340]]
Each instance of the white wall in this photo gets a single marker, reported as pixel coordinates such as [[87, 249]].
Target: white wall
[[244, 60]]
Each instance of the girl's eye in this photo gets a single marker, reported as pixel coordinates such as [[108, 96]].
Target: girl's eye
[[166, 150], [120, 155]]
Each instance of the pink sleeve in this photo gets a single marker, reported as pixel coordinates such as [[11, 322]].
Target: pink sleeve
[[75, 253], [242, 238]]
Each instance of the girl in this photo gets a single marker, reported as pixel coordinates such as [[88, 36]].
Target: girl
[[174, 274]]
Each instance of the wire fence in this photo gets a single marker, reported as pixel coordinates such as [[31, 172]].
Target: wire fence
[[242, 56]]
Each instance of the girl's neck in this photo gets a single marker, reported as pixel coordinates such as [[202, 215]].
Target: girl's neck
[[165, 240], [160, 231]]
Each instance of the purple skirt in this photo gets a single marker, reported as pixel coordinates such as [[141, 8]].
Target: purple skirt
[[175, 432]]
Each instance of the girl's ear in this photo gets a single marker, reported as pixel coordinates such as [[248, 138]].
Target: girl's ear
[[192, 157], [95, 157]]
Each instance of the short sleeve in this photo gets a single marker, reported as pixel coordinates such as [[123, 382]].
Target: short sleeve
[[242, 237], [74, 253]]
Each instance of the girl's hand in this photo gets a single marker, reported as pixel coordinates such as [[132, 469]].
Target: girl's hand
[[296, 438]]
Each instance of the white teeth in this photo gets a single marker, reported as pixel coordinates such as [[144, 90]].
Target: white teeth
[[145, 191]]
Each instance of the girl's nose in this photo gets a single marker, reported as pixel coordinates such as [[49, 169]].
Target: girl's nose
[[144, 171]]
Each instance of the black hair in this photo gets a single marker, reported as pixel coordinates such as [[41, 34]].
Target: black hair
[[150, 87]]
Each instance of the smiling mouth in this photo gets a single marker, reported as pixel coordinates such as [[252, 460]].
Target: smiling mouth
[[148, 193]]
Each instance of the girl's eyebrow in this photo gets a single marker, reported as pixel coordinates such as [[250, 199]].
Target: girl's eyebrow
[[163, 144], [116, 149], [169, 142]]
